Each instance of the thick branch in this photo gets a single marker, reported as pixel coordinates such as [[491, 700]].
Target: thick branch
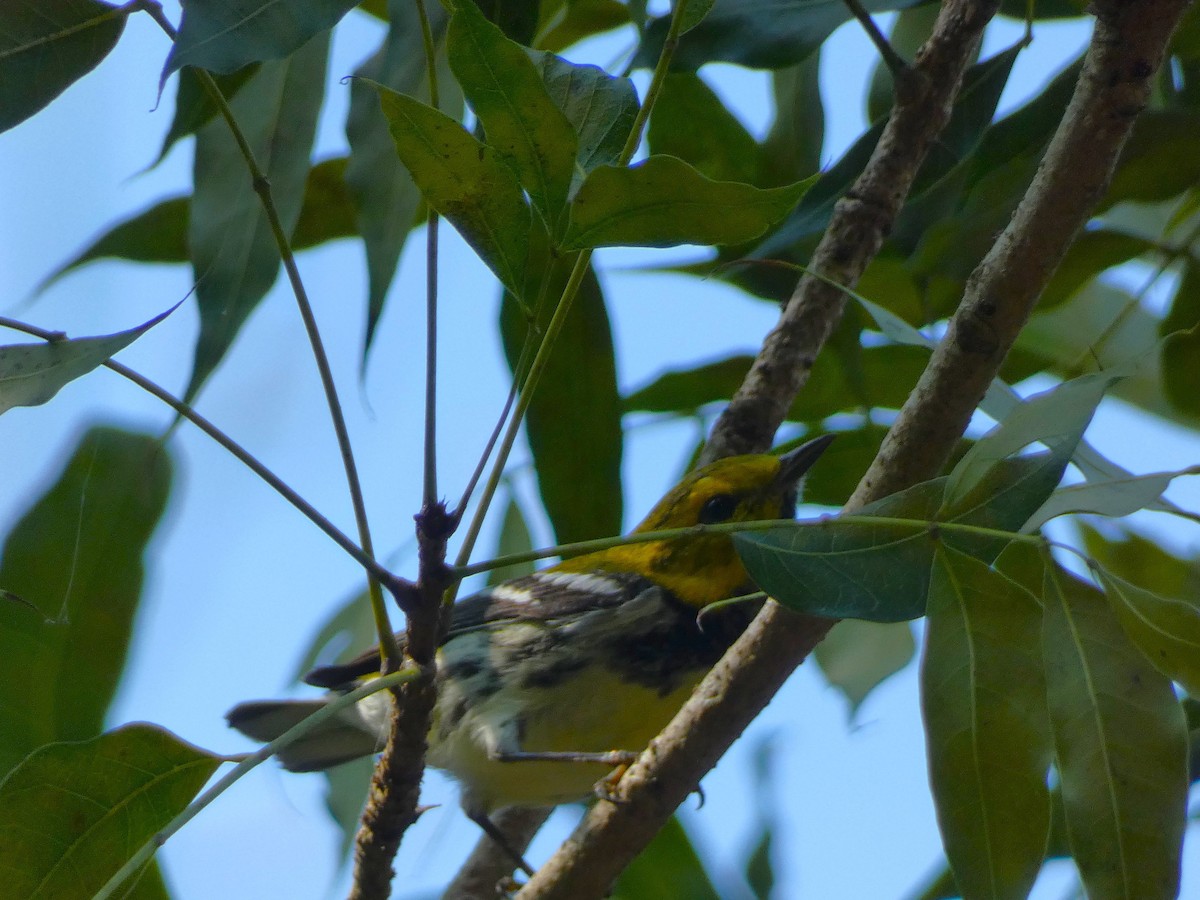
[[1127, 47]]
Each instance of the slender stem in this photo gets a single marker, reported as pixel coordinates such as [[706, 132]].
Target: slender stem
[[237, 450], [262, 188], [333, 707], [430, 492], [896, 65]]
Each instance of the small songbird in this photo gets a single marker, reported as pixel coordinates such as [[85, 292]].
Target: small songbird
[[541, 677]]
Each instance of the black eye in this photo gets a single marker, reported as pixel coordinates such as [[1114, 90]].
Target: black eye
[[718, 509]]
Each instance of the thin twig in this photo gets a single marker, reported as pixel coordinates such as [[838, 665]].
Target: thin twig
[[895, 63]]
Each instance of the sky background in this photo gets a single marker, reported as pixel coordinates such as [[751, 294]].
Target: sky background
[[238, 582]]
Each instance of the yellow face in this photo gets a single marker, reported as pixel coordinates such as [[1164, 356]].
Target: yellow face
[[703, 568]]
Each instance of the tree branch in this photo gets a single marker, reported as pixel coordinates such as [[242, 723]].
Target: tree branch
[[488, 864], [1127, 47]]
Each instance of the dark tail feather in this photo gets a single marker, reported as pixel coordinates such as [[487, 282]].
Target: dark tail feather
[[332, 742]]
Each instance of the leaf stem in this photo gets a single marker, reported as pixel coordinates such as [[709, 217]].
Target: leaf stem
[[334, 706], [262, 187], [430, 491]]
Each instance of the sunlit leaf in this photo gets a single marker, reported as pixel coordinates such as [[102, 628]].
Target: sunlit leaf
[[1166, 629], [72, 813], [663, 202], [857, 656], [76, 558], [31, 374], [1121, 746], [45, 46], [225, 35], [521, 121], [233, 250], [987, 728], [465, 181]]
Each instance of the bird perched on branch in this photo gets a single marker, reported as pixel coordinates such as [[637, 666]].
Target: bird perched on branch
[[546, 681]]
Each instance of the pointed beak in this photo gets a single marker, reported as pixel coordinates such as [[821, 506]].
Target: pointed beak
[[794, 463]]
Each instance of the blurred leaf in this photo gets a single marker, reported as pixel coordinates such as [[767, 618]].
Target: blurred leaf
[[1121, 745], [194, 107], [663, 202], [759, 34], [516, 19], [72, 813], [582, 19], [346, 791], [383, 193], [601, 108], [233, 251], [668, 869], [792, 148], [1143, 562], [1180, 355], [691, 123], [520, 120], [159, 234], [514, 538], [465, 181], [1092, 253], [1166, 629], [574, 421], [45, 46], [857, 569], [31, 374], [836, 474], [75, 557], [910, 30], [1115, 497], [856, 657], [1157, 162], [224, 35], [983, 695], [688, 390]]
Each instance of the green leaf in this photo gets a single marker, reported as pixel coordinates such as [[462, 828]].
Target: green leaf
[[581, 19], [663, 202], [1121, 745], [233, 252], [759, 34], [464, 180], [31, 374], [346, 791], [225, 35], [1180, 353], [45, 46], [72, 813], [691, 123], [514, 538], [574, 420], [983, 695], [1143, 562], [1166, 629], [856, 657], [194, 107], [383, 193], [600, 107], [1093, 253], [75, 557], [521, 121], [689, 389], [327, 213], [792, 148], [1056, 418], [668, 869], [1110, 497], [1156, 163]]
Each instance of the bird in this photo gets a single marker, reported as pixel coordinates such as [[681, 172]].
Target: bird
[[548, 680]]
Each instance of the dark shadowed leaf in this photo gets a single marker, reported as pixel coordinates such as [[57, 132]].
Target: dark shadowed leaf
[[574, 421], [601, 108], [581, 19], [31, 374], [75, 557], [664, 202], [1092, 253], [72, 813], [45, 46], [522, 123], [1180, 353], [1166, 629], [234, 255], [465, 181], [983, 695], [762, 34], [1143, 562], [345, 796], [691, 123], [385, 198], [194, 107], [857, 656], [688, 390], [1121, 746], [327, 213], [668, 869], [225, 35]]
